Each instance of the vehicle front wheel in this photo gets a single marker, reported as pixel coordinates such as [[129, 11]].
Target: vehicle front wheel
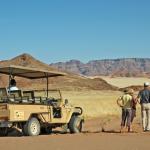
[[32, 127], [75, 124]]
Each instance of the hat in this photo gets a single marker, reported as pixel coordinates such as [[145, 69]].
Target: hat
[[146, 84], [126, 90], [130, 91]]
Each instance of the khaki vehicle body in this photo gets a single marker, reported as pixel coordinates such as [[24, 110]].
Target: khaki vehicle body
[[32, 112], [22, 112]]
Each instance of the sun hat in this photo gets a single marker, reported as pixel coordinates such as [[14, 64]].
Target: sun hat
[[146, 84], [130, 91], [126, 90]]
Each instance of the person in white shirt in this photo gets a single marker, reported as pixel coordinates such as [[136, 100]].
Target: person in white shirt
[[13, 86]]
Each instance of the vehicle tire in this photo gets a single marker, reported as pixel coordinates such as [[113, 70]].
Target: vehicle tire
[[75, 124], [32, 127], [3, 131], [65, 128], [46, 130]]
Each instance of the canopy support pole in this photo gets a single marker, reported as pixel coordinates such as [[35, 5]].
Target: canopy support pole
[[47, 84], [10, 74]]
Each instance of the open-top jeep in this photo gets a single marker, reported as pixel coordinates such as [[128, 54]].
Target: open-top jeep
[[31, 111]]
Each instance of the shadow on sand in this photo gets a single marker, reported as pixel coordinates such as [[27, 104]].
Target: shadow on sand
[[14, 132], [109, 131], [18, 133]]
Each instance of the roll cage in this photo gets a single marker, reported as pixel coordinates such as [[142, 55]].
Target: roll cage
[[29, 73]]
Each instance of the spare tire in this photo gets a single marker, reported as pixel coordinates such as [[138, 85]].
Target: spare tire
[[75, 124]]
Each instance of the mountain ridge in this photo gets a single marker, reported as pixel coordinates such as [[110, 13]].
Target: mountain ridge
[[108, 67], [68, 82]]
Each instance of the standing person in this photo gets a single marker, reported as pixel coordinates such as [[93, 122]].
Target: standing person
[[134, 103], [125, 102], [144, 98], [13, 86]]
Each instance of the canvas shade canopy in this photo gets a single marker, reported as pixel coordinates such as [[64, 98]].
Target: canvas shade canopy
[[30, 73]]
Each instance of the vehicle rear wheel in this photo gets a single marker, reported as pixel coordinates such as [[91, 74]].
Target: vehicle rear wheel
[[75, 124], [3, 131], [32, 127]]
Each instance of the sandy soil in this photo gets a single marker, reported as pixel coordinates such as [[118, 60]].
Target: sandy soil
[[122, 82], [98, 134]]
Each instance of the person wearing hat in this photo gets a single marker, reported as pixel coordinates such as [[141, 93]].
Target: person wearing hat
[[144, 100], [125, 102], [134, 103]]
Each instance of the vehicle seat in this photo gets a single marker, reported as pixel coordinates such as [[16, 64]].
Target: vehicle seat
[[29, 96], [15, 96], [3, 94]]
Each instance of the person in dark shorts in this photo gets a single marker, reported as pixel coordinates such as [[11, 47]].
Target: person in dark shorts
[[125, 102], [144, 100]]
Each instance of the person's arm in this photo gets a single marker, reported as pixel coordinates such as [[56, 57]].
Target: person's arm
[[149, 95], [135, 99], [138, 97], [119, 100]]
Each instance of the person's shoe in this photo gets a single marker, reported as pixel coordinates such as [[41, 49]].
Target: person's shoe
[[121, 129], [130, 129], [146, 130]]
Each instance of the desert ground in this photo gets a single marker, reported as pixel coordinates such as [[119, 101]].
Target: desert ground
[[92, 138], [100, 130], [125, 81]]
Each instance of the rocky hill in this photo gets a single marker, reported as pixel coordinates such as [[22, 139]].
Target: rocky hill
[[68, 82], [113, 67]]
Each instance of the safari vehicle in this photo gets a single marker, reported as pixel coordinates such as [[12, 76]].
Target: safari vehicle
[[32, 112]]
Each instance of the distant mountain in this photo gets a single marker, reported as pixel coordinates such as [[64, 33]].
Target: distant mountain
[[109, 67], [69, 82]]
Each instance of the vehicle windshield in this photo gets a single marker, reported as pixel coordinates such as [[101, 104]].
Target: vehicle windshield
[[52, 93]]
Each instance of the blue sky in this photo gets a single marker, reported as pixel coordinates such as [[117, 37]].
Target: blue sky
[[60, 30]]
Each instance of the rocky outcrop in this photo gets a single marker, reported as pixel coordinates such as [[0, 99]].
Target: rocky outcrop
[[113, 67]]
